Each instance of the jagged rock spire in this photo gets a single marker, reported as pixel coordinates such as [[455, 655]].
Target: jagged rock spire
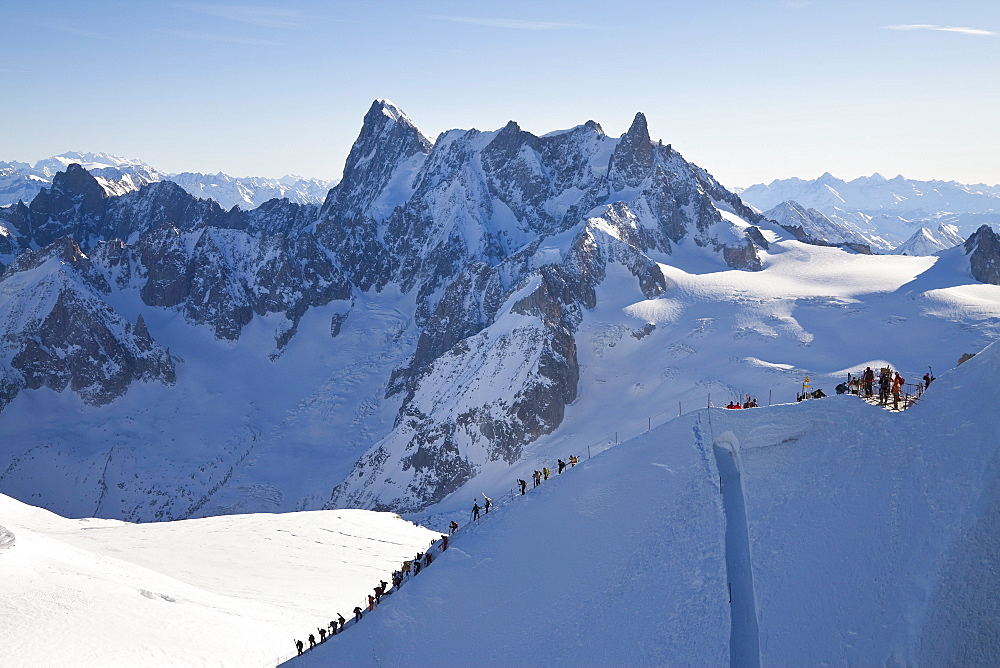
[[632, 161]]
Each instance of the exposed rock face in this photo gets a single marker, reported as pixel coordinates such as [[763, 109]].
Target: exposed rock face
[[66, 335], [222, 277], [983, 249], [74, 206]]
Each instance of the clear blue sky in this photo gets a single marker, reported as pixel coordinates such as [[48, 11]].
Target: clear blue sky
[[751, 90]]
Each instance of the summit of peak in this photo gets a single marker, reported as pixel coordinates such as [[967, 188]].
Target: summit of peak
[[639, 125], [389, 110]]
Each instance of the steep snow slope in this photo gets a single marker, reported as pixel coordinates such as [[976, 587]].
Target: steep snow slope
[[618, 561], [848, 533], [228, 591]]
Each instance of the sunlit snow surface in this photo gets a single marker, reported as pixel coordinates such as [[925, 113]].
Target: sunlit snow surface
[[871, 538], [231, 591]]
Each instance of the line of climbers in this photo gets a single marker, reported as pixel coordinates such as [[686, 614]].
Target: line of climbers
[[412, 567], [522, 485], [409, 568]]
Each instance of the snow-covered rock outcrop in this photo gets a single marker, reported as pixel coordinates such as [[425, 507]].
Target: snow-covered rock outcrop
[[57, 331], [983, 249]]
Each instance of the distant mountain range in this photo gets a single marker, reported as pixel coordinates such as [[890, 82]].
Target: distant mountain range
[[884, 213], [118, 175]]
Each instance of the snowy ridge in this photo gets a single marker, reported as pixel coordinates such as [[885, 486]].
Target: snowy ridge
[[231, 590], [862, 529]]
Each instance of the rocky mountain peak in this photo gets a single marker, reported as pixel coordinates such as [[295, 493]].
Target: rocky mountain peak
[[633, 158], [596, 127], [78, 182], [387, 139]]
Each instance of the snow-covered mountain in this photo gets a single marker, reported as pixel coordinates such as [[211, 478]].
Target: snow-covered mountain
[[453, 309], [221, 591], [21, 181], [927, 242], [890, 209]]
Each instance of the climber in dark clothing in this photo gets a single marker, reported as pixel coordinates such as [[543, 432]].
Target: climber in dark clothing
[[340, 618], [475, 510], [523, 484], [312, 641], [562, 465], [357, 613], [453, 526], [322, 634], [487, 503], [298, 646], [333, 627]]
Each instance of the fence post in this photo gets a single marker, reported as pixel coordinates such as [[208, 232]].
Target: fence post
[[649, 423], [588, 452], [769, 397]]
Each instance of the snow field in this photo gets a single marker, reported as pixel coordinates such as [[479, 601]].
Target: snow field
[[231, 591]]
